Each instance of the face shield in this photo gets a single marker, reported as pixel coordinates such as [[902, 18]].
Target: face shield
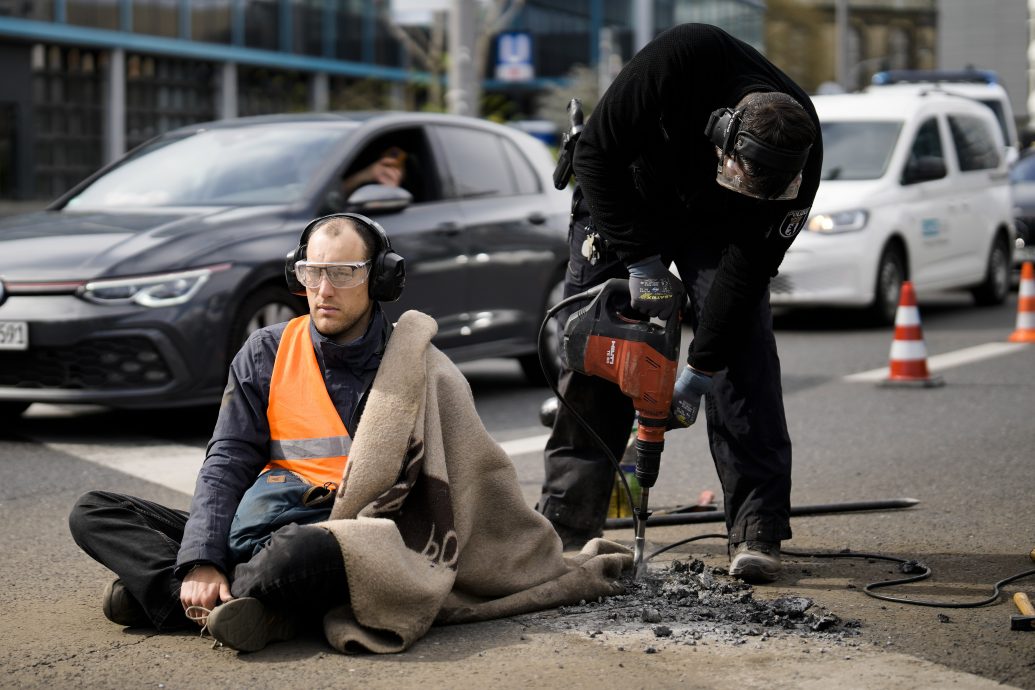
[[734, 145]]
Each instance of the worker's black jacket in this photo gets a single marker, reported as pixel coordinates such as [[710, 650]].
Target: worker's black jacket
[[648, 173]]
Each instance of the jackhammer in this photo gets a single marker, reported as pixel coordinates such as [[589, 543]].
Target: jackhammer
[[610, 339]]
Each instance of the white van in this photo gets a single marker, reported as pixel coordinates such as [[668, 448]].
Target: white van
[[914, 187]]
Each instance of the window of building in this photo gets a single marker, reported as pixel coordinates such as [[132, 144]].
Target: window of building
[[101, 14], [211, 21], [67, 116], [163, 94], [264, 91], [348, 34], [307, 22], [157, 17], [27, 9], [262, 24], [975, 145]]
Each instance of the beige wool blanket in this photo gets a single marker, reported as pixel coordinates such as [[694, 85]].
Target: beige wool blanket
[[430, 517]]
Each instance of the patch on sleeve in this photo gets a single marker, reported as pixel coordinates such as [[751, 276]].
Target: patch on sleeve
[[793, 222]]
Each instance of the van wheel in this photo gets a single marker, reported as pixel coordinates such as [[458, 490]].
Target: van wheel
[[264, 307], [552, 346], [891, 272], [996, 285]]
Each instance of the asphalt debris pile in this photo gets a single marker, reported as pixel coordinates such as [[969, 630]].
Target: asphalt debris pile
[[690, 603]]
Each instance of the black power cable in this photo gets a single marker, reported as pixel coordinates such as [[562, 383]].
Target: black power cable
[[905, 565]]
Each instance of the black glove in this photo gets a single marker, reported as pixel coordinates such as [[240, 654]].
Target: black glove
[[654, 291], [686, 398]]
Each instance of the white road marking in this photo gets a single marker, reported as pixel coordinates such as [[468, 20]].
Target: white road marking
[[176, 466], [172, 465], [529, 444], [947, 360]]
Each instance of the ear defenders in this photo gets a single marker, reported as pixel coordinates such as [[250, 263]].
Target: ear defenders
[[387, 275], [723, 130]]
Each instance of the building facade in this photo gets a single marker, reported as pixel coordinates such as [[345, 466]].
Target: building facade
[[87, 80]]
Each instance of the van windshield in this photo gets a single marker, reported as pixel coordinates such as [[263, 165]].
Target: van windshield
[[858, 150]]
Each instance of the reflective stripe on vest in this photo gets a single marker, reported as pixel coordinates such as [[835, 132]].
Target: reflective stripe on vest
[[307, 436]]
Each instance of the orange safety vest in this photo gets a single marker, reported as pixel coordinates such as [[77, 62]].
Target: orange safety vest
[[307, 436]]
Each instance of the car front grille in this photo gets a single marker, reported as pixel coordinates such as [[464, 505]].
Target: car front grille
[[781, 285], [107, 364]]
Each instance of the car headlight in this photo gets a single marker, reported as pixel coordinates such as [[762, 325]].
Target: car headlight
[[160, 290], [843, 221]]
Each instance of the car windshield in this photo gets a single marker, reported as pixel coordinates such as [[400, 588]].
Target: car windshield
[[241, 166], [857, 150], [1023, 170]]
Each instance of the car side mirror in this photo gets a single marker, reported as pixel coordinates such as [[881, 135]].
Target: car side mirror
[[924, 169], [378, 198]]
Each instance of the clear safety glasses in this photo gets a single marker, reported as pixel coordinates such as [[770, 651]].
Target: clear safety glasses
[[341, 274], [731, 176]]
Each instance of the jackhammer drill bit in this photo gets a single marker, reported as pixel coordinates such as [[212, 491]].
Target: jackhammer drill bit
[[648, 463]]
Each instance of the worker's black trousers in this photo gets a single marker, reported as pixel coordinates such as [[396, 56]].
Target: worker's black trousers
[[299, 572], [747, 430]]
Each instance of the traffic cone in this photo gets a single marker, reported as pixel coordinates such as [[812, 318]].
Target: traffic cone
[[1025, 332], [908, 366]]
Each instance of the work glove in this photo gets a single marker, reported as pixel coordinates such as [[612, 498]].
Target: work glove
[[654, 291], [686, 398]]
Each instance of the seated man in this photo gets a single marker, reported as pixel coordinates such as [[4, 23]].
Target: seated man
[[385, 427]]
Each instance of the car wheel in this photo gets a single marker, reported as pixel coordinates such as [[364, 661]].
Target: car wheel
[[891, 272], [10, 410], [530, 365], [264, 307], [996, 285]]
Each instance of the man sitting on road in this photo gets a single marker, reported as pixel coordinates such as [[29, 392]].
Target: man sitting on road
[[347, 474]]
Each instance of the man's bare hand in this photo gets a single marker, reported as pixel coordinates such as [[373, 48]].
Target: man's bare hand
[[204, 586]]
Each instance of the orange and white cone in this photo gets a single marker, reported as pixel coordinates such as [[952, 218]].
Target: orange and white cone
[[1025, 332], [908, 366]]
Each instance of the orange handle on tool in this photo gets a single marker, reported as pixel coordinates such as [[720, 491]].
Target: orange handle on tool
[[1023, 604]]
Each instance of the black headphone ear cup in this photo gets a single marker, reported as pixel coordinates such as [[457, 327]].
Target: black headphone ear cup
[[294, 256], [387, 276]]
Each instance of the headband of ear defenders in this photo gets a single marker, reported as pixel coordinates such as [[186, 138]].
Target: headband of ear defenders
[[723, 130]]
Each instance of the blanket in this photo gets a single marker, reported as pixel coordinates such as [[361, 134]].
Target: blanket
[[430, 517]]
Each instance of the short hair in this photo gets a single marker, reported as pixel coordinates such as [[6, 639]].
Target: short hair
[[333, 227], [779, 120]]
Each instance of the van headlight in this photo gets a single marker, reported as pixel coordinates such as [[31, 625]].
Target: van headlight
[[158, 290], [843, 221]]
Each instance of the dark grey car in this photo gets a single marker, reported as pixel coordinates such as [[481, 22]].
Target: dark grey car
[[137, 287]]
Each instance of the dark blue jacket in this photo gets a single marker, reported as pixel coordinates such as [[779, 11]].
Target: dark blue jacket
[[239, 448]]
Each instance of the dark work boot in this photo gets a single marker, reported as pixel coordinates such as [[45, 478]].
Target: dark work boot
[[121, 607], [755, 561], [248, 625], [573, 539]]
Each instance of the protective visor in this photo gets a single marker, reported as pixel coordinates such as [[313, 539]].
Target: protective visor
[[732, 176]]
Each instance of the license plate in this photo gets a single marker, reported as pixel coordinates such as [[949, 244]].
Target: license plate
[[14, 335]]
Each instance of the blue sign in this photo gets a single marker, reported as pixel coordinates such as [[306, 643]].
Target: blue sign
[[514, 56]]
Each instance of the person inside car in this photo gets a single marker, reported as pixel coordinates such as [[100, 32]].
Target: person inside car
[[340, 445], [389, 169]]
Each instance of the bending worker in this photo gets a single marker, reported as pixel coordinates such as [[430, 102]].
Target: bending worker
[[704, 154]]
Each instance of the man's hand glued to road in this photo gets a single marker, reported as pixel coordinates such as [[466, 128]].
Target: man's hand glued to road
[[204, 586], [654, 291]]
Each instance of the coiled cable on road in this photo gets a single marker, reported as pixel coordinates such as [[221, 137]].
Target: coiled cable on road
[[906, 565]]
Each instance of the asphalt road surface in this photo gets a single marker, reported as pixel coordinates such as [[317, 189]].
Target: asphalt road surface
[[965, 451]]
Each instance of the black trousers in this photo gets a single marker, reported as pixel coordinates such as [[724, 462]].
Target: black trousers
[[300, 571], [747, 429]]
